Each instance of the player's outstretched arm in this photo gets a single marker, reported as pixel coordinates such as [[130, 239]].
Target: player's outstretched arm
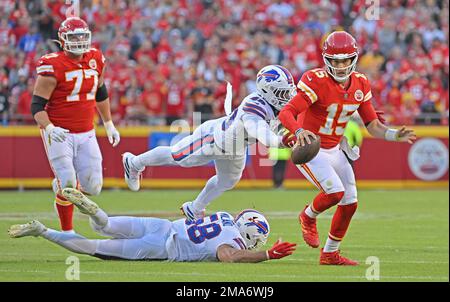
[[257, 128], [378, 130], [288, 118], [226, 253]]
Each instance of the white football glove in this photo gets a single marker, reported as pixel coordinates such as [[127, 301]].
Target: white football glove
[[56, 134], [112, 133]]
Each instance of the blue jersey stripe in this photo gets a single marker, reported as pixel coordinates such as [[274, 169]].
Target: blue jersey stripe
[[256, 107], [253, 111], [258, 99], [240, 243], [192, 147]]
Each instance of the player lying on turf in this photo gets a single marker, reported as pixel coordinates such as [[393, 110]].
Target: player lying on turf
[[218, 237], [224, 140]]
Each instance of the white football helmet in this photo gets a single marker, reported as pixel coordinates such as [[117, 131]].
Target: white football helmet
[[254, 228], [276, 84]]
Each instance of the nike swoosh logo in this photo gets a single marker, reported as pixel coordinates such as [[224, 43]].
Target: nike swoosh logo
[[276, 253], [310, 79]]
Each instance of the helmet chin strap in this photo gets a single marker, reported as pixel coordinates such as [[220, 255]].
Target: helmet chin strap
[[341, 80], [332, 70], [75, 54]]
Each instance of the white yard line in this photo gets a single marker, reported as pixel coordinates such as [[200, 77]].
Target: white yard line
[[381, 261], [176, 215], [300, 260], [196, 274]]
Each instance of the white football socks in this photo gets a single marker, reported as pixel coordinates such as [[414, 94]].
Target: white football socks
[[100, 218], [211, 191], [71, 241], [159, 156], [310, 212], [331, 245]]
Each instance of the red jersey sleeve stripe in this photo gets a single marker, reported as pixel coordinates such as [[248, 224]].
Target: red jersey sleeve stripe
[[46, 73], [308, 91], [45, 68], [368, 96]]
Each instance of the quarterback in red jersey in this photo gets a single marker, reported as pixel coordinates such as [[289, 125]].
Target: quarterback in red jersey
[[328, 97], [68, 89]]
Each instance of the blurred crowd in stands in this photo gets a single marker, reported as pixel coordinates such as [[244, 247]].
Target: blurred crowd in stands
[[167, 59]]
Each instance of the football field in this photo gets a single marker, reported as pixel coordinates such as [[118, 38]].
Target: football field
[[403, 235]]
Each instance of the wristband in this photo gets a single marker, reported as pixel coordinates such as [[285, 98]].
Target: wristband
[[298, 131], [267, 255], [49, 127], [391, 135]]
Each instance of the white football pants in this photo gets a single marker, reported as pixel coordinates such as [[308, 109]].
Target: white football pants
[[77, 159]]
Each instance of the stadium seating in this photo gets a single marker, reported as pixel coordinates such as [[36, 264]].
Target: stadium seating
[[167, 59]]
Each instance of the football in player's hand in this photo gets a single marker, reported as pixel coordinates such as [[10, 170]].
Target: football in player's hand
[[303, 154]]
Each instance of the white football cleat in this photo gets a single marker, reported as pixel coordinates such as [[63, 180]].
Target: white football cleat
[[32, 228], [132, 175], [84, 204], [188, 211]]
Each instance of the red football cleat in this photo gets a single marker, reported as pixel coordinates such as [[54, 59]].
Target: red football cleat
[[309, 229], [334, 258]]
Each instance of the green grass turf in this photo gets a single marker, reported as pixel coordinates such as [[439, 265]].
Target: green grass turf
[[407, 230]]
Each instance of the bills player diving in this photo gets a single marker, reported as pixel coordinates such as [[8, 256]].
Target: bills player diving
[[68, 89], [218, 237], [224, 140], [328, 97]]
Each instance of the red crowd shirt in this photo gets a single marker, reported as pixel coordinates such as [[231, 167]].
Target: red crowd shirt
[[72, 103]]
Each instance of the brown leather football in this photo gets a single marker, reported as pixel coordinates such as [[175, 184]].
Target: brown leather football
[[303, 154]]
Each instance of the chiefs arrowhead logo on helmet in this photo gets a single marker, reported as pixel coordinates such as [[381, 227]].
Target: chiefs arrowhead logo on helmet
[[340, 45], [75, 36]]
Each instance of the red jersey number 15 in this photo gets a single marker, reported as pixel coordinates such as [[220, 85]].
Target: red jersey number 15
[[347, 111]]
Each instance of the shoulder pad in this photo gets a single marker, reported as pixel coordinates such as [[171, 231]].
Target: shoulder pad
[[46, 64]]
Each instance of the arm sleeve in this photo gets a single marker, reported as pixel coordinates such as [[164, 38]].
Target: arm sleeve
[[258, 128], [37, 104], [292, 115], [288, 115]]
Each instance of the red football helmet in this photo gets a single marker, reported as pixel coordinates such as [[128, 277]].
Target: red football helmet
[[75, 36], [340, 45]]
